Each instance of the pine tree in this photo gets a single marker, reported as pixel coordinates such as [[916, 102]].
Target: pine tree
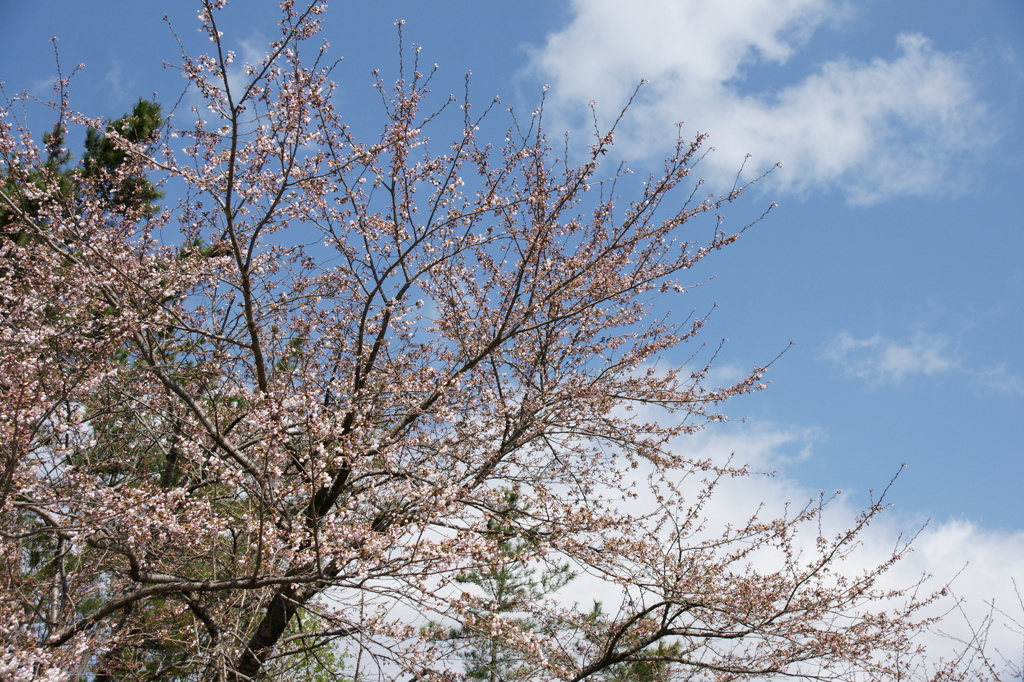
[[104, 158], [51, 174], [508, 585], [61, 186]]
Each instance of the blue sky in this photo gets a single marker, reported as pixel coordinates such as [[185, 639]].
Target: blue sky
[[893, 260]]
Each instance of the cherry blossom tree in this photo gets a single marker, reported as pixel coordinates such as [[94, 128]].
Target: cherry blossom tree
[[283, 413]]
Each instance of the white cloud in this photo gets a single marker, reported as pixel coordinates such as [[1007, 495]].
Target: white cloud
[[611, 44], [874, 129], [978, 564]]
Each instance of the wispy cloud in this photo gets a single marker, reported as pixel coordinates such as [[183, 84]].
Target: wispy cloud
[[1001, 379], [114, 82], [881, 361], [876, 128]]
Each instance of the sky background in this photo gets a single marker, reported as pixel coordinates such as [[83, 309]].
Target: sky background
[[893, 259]]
